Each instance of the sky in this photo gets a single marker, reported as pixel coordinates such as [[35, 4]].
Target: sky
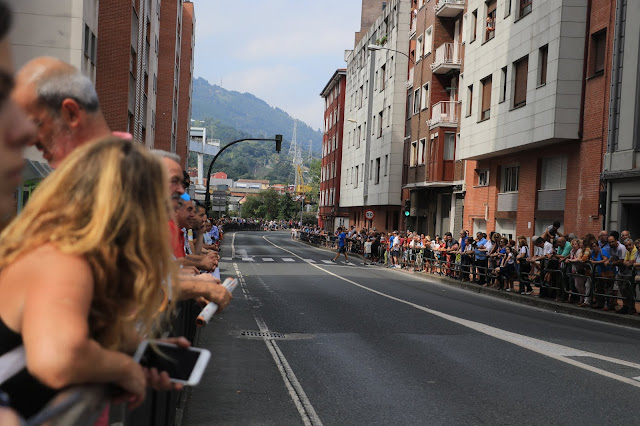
[[282, 51]]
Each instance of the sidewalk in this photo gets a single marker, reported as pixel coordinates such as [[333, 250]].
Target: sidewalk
[[531, 300]]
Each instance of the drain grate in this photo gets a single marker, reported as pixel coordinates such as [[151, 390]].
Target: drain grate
[[267, 334]]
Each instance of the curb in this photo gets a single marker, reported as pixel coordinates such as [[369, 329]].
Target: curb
[[543, 303]]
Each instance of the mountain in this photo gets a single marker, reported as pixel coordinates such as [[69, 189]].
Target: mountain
[[248, 114], [230, 115]]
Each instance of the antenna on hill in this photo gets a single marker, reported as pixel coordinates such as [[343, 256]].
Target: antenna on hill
[[310, 150]]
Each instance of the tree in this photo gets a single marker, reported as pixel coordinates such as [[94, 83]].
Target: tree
[[287, 207]]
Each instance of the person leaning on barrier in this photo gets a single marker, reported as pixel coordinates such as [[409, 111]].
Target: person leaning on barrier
[[82, 273], [625, 278]]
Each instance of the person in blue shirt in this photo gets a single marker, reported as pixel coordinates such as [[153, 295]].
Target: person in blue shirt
[[342, 247], [481, 257]]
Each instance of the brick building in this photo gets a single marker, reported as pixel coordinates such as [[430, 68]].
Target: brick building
[[534, 109], [127, 64], [188, 39], [433, 177], [331, 215]]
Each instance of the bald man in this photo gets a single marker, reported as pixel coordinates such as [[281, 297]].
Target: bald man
[[62, 103]]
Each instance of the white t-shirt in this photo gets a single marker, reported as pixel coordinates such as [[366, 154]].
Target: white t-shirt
[[547, 249]]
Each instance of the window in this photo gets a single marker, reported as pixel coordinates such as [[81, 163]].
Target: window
[[413, 154], [383, 75], [543, 54], [361, 96], [510, 178], [483, 177], [371, 171], [503, 84], [507, 8], [421, 149], [416, 101], [553, 173], [377, 170], [490, 28], [358, 136], [380, 118], [419, 50], [424, 100], [389, 116], [428, 40], [525, 8], [449, 146], [87, 41], [469, 100], [356, 175], [485, 111], [409, 103], [386, 164], [598, 51], [474, 24], [521, 69]]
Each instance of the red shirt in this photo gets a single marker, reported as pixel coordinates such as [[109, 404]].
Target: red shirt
[[177, 240]]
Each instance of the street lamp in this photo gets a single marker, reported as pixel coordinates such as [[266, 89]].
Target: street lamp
[[376, 47], [207, 197]]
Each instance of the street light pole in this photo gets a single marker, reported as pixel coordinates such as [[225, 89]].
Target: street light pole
[[375, 47], [207, 197]]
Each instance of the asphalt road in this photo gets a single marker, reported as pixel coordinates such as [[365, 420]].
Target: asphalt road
[[369, 345]]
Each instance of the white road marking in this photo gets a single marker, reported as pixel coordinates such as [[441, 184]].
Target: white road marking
[[226, 259], [299, 397], [233, 245], [267, 259], [288, 259], [247, 259], [551, 350], [309, 260], [327, 261]]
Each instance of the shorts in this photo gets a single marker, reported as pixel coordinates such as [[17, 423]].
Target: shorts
[[367, 255], [395, 253], [342, 249]]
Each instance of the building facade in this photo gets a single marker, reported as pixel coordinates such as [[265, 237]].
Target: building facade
[[188, 40], [433, 177], [371, 176], [533, 112], [331, 215], [622, 161]]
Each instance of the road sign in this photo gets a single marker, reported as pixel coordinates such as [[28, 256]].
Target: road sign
[[369, 214]]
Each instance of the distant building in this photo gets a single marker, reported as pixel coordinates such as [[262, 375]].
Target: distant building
[[252, 184], [331, 215]]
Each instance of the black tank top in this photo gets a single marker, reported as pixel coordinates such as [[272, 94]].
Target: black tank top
[[27, 395]]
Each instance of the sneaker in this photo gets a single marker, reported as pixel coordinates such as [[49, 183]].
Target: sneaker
[[333, 260], [528, 293], [508, 289], [522, 292]]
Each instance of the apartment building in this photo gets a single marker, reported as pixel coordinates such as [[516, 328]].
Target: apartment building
[[433, 177], [534, 100], [331, 215], [371, 175], [188, 41], [127, 75], [622, 160]]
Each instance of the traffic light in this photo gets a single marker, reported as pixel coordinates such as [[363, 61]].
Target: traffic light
[[407, 207], [278, 143]]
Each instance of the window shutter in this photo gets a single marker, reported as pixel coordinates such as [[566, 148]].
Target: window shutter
[[520, 95], [491, 6], [486, 94], [544, 52]]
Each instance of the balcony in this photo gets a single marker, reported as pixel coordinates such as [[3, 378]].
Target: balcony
[[449, 8], [447, 58], [508, 202], [410, 78], [412, 28], [444, 114], [551, 199]]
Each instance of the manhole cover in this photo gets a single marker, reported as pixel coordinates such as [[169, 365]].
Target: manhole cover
[[268, 334]]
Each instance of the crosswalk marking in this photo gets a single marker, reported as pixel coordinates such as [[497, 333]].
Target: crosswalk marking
[[227, 259], [267, 259], [309, 260], [288, 259], [327, 261], [247, 259]]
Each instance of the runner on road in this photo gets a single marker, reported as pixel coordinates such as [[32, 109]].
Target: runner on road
[[342, 248]]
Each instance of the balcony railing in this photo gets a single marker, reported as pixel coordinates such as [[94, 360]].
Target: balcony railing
[[449, 8], [444, 114], [410, 78], [447, 58]]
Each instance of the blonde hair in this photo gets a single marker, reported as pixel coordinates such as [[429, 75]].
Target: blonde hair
[[107, 202]]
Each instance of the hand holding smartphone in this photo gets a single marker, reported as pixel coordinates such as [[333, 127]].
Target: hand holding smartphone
[[183, 365]]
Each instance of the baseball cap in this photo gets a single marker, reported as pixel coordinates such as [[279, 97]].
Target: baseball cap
[[185, 197]]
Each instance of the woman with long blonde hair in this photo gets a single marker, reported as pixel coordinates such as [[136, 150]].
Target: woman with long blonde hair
[[81, 269]]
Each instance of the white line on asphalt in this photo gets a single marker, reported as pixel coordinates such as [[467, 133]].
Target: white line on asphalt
[[552, 350], [327, 261], [288, 259], [299, 397], [226, 259], [309, 260], [267, 259], [247, 259], [233, 245]]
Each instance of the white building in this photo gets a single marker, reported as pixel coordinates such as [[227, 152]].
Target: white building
[[521, 86], [375, 97]]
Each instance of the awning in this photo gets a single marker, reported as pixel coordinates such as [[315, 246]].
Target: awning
[[35, 171]]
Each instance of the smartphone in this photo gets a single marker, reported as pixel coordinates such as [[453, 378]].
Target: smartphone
[[184, 365]]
